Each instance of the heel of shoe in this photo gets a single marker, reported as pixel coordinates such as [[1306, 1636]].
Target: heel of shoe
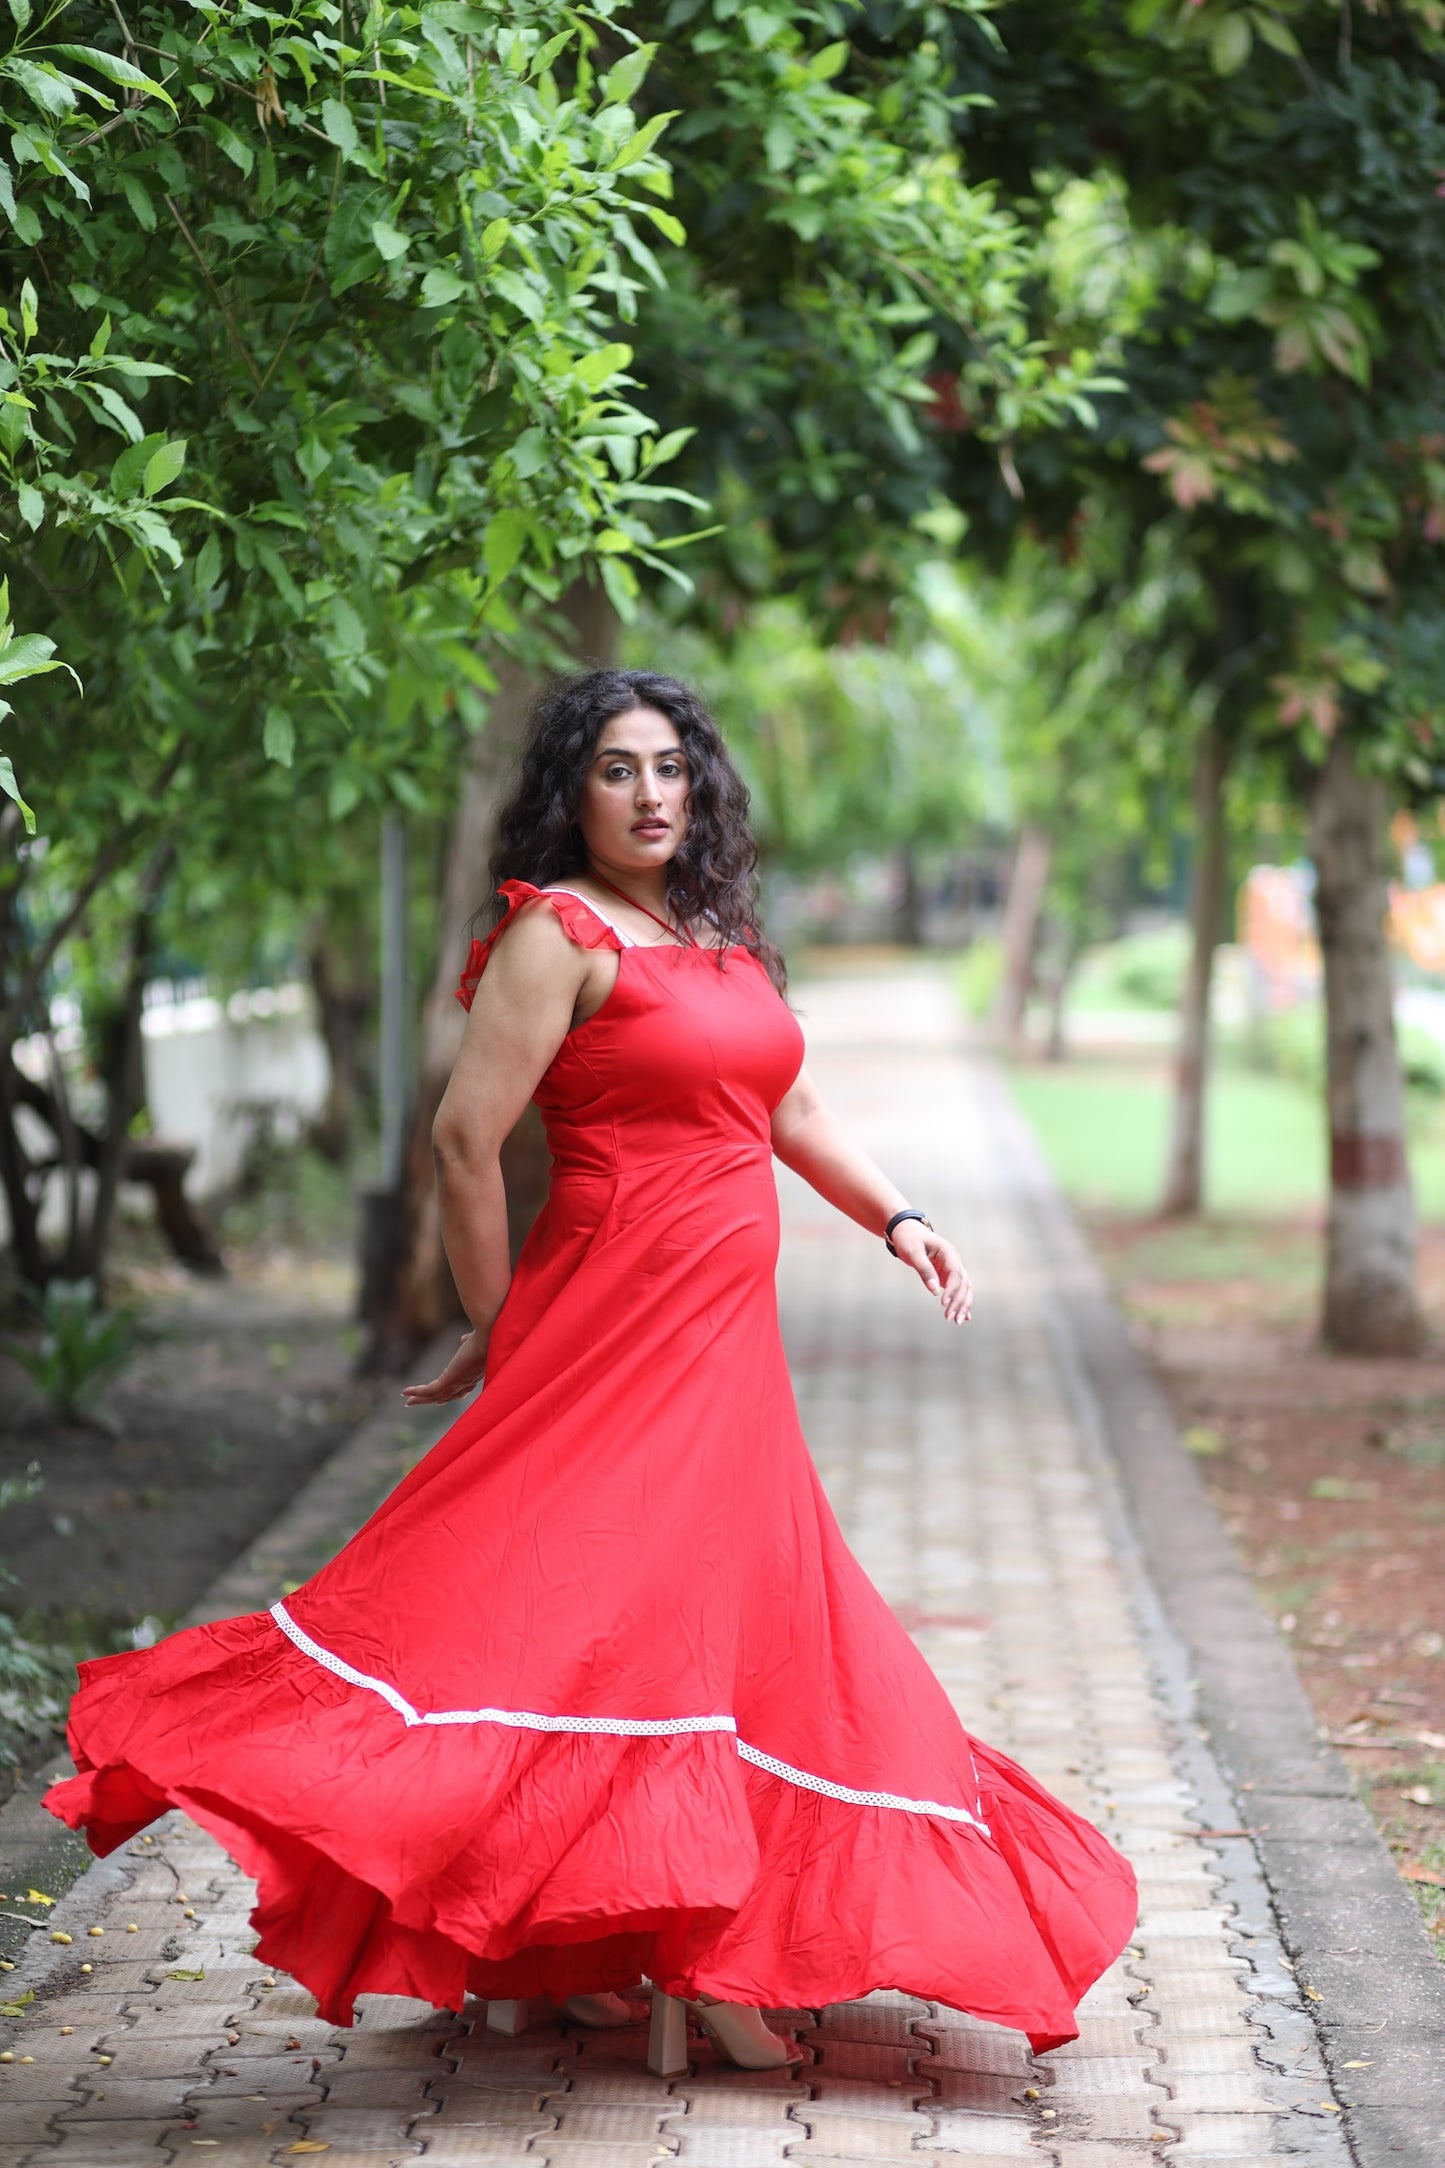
[[507, 2017], [667, 2036], [738, 2030]]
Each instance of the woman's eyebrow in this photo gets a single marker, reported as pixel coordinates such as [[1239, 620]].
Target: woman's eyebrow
[[622, 752]]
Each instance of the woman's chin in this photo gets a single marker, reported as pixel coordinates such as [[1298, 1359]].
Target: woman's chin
[[644, 854]]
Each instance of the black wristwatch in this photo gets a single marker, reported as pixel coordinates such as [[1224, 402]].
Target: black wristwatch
[[909, 1212]]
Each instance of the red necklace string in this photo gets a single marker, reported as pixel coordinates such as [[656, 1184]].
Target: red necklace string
[[678, 934]]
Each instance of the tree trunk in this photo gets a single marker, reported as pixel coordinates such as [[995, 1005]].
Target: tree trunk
[[343, 1007], [1061, 978], [1370, 1305], [410, 1305], [122, 1069], [910, 897], [1184, 1170], [1023, 913]]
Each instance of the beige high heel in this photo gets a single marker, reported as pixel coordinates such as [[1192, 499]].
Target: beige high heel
[[735, 2027]]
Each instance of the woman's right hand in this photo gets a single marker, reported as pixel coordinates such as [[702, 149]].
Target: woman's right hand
[[461, 1375]]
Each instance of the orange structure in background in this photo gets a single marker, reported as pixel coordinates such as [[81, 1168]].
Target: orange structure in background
[[1277, 933], [1277, 925], [1417, 924]]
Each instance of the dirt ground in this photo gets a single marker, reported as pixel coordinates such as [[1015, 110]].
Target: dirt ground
[[1330, 1475], [238, 1389]]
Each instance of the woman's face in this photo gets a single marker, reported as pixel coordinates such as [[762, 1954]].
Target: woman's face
[[633, 810]]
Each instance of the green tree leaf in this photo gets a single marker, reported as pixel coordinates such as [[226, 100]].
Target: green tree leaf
[[1230, 43], [116, 70], [503, 544], [163, 466], [621, 83], [440, 286], [12, 790], [278, 736], [339, 127]]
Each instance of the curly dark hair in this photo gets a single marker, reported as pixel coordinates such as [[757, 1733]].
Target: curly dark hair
[[713, 876]]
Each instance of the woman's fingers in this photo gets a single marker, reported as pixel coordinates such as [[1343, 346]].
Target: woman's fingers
[[941, 1270], [461, 1374]]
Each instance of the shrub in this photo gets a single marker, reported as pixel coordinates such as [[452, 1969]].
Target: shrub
[[80, 1346], [36, 1681]]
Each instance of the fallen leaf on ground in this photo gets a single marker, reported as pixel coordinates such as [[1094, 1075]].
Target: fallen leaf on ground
[[1205, 1442], [186, 1975], [1422, 1874], [310, 2145]]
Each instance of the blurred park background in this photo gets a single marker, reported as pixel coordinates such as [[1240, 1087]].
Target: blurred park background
[[1025, 422]]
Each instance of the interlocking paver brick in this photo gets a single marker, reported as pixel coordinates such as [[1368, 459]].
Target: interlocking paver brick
[[474, 2149], [36, 2109], [606, 2121], [990, 2092], [730, 2107], [365, 2130], [585, 2153], [1100, 2153], [882, 2061], [1233, 2138], [722, 2145], [105, 2145], [138, 2099], [393, 2087], [963, 2131], [474, 2110], [860, 2137]]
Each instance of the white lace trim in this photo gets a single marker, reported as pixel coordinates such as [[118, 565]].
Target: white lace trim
[[620, 1727], [597, 912], [829, 1790]]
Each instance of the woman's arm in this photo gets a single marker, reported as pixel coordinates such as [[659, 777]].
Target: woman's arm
[[809, 1138], [521, 1013]]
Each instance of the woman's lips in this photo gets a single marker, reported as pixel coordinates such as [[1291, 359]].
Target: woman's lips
[[650, 828]]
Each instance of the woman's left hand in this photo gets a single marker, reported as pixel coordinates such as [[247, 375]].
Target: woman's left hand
[[938, 1265]]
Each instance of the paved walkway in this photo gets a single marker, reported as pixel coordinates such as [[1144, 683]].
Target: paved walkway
[[965, 1470]]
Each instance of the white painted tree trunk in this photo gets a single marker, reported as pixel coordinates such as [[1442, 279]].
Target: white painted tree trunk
[[1184, 1170], [1370, 1304]]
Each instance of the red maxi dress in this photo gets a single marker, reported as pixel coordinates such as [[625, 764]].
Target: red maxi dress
[[600, 1692]]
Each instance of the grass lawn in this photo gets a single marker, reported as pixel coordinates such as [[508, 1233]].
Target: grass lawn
[[1103, 1123]]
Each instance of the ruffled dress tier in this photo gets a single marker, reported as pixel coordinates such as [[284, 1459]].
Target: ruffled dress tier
[[599, 1691]]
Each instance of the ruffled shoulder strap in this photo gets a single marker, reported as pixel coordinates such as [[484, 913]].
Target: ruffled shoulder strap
[[581, 921]]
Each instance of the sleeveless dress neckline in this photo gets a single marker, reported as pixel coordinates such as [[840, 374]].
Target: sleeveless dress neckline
[[599, 1691]]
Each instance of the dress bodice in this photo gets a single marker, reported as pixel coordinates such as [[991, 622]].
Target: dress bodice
[[692, 1049]]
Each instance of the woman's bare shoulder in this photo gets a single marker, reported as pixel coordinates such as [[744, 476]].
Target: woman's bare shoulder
[[535, 949]]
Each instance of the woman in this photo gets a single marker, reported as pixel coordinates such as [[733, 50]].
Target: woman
[[599, 1692]]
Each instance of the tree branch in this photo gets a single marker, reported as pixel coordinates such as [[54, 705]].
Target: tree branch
[[115, 852], [194, 246]]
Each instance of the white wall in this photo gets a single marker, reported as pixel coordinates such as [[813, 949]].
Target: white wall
[[211, 1067]]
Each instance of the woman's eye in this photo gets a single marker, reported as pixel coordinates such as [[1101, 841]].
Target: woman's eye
[[616, 773]]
